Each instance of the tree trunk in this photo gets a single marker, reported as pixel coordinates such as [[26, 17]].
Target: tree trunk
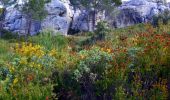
[[2, 17], [92, 20], [29, 27], [28, 24]]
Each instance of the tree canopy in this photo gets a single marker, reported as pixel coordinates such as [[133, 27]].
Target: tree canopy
[[95, 6]]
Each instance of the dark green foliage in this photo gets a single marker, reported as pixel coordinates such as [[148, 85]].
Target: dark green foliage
[[35, 9], [94, 7], [97, 4], [102, 29], [89, 80], [8, 35], [161, 18]]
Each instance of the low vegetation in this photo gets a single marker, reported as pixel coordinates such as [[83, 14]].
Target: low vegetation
[[128, 63]]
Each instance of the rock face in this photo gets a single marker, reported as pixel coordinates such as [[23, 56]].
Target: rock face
[[15, 22], [59, 16], [137, 11], [81, 22], [63, 17], [129, 13], [58, 19]]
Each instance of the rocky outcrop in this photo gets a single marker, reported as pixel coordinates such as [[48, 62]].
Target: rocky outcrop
[[63, 17], [58, 19], [16, 22], [129, 13], [81, 22], [137, 11]]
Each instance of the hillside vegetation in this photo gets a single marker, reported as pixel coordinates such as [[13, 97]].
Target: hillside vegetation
[[121, 64]]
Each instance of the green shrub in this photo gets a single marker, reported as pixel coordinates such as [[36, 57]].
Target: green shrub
[[8, 35], [161, 18], [102, 30], [50, 41], [89, 79]]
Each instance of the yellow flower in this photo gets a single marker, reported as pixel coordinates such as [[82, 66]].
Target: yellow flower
[[109, 50], [23, 61], [82, 56], [11, 69], [134, 40], [29, 50], [53, 52], [39, 66], [15, 81], [32, 64]]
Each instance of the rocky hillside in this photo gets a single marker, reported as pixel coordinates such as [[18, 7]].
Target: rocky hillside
[[65, 18]]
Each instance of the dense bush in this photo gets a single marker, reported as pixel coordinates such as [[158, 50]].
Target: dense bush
[[27, 71], [102, 30]]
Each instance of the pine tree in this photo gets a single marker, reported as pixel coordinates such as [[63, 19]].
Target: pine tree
[[34, 10], [94, 6]]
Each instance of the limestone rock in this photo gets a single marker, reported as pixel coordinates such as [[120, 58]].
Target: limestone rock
[[137, 11], [58, 18], [63, 16]]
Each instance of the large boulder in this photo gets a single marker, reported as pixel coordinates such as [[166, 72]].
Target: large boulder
[[81, 22], [59, 16], [138, 11], [15, 22], [58, 19], [129, 13]]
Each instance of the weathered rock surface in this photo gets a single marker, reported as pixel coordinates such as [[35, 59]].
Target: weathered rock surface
[[59, 16], [62, 17], [15, 22], [58, 19], [138, 11], [129, 13]]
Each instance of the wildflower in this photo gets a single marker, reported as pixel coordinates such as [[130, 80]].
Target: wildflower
[[39, 66], [53, 52], [23, 61], [29, 50], [109, 50], [15, 81], [30, 78], [32, 64], [47, 98], [11, 69], [82, 56], [134, 40], [102, 49]]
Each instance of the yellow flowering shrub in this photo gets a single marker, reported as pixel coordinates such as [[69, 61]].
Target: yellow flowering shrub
[[29, 50]]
